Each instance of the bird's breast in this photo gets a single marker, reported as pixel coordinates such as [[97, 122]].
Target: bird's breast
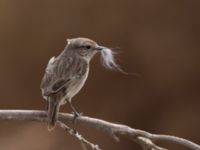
[[77, 84]]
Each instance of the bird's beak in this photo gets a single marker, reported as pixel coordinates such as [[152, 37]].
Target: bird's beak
[[99, 48]]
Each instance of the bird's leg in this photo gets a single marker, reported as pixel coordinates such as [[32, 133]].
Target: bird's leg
[[75, 112]]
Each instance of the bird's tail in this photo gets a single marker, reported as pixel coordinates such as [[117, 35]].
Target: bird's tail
[[52, 112]]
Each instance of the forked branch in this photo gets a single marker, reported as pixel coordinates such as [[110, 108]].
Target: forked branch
[[145, 139]]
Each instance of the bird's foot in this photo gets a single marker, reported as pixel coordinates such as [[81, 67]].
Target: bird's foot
[[76, 115]]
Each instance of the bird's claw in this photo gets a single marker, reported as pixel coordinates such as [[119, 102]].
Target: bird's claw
[[76, 115]]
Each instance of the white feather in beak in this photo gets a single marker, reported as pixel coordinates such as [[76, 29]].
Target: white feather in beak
[[108, 59]]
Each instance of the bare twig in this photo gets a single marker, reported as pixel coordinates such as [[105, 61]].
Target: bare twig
[[79, 137], [145, 139]]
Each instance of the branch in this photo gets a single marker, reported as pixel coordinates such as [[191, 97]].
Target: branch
[[145, 139]]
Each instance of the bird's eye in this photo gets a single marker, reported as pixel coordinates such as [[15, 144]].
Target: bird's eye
[[87, 46]]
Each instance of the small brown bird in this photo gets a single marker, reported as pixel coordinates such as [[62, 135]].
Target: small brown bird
[[66, 74]]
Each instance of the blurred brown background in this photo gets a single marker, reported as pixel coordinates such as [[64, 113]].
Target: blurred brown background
[[158, 39]]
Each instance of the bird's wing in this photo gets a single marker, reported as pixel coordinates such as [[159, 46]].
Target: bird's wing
[[60, 72], [53, 79]]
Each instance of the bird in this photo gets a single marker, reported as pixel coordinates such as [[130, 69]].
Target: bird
[[66, 74]]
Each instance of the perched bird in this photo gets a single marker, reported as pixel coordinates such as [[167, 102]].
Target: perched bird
[[66, 74]]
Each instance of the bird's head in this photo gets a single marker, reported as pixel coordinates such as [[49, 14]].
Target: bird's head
[[87, 48], [84, 47]]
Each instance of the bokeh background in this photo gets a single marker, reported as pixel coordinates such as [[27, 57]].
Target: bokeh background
[[157, 39]]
